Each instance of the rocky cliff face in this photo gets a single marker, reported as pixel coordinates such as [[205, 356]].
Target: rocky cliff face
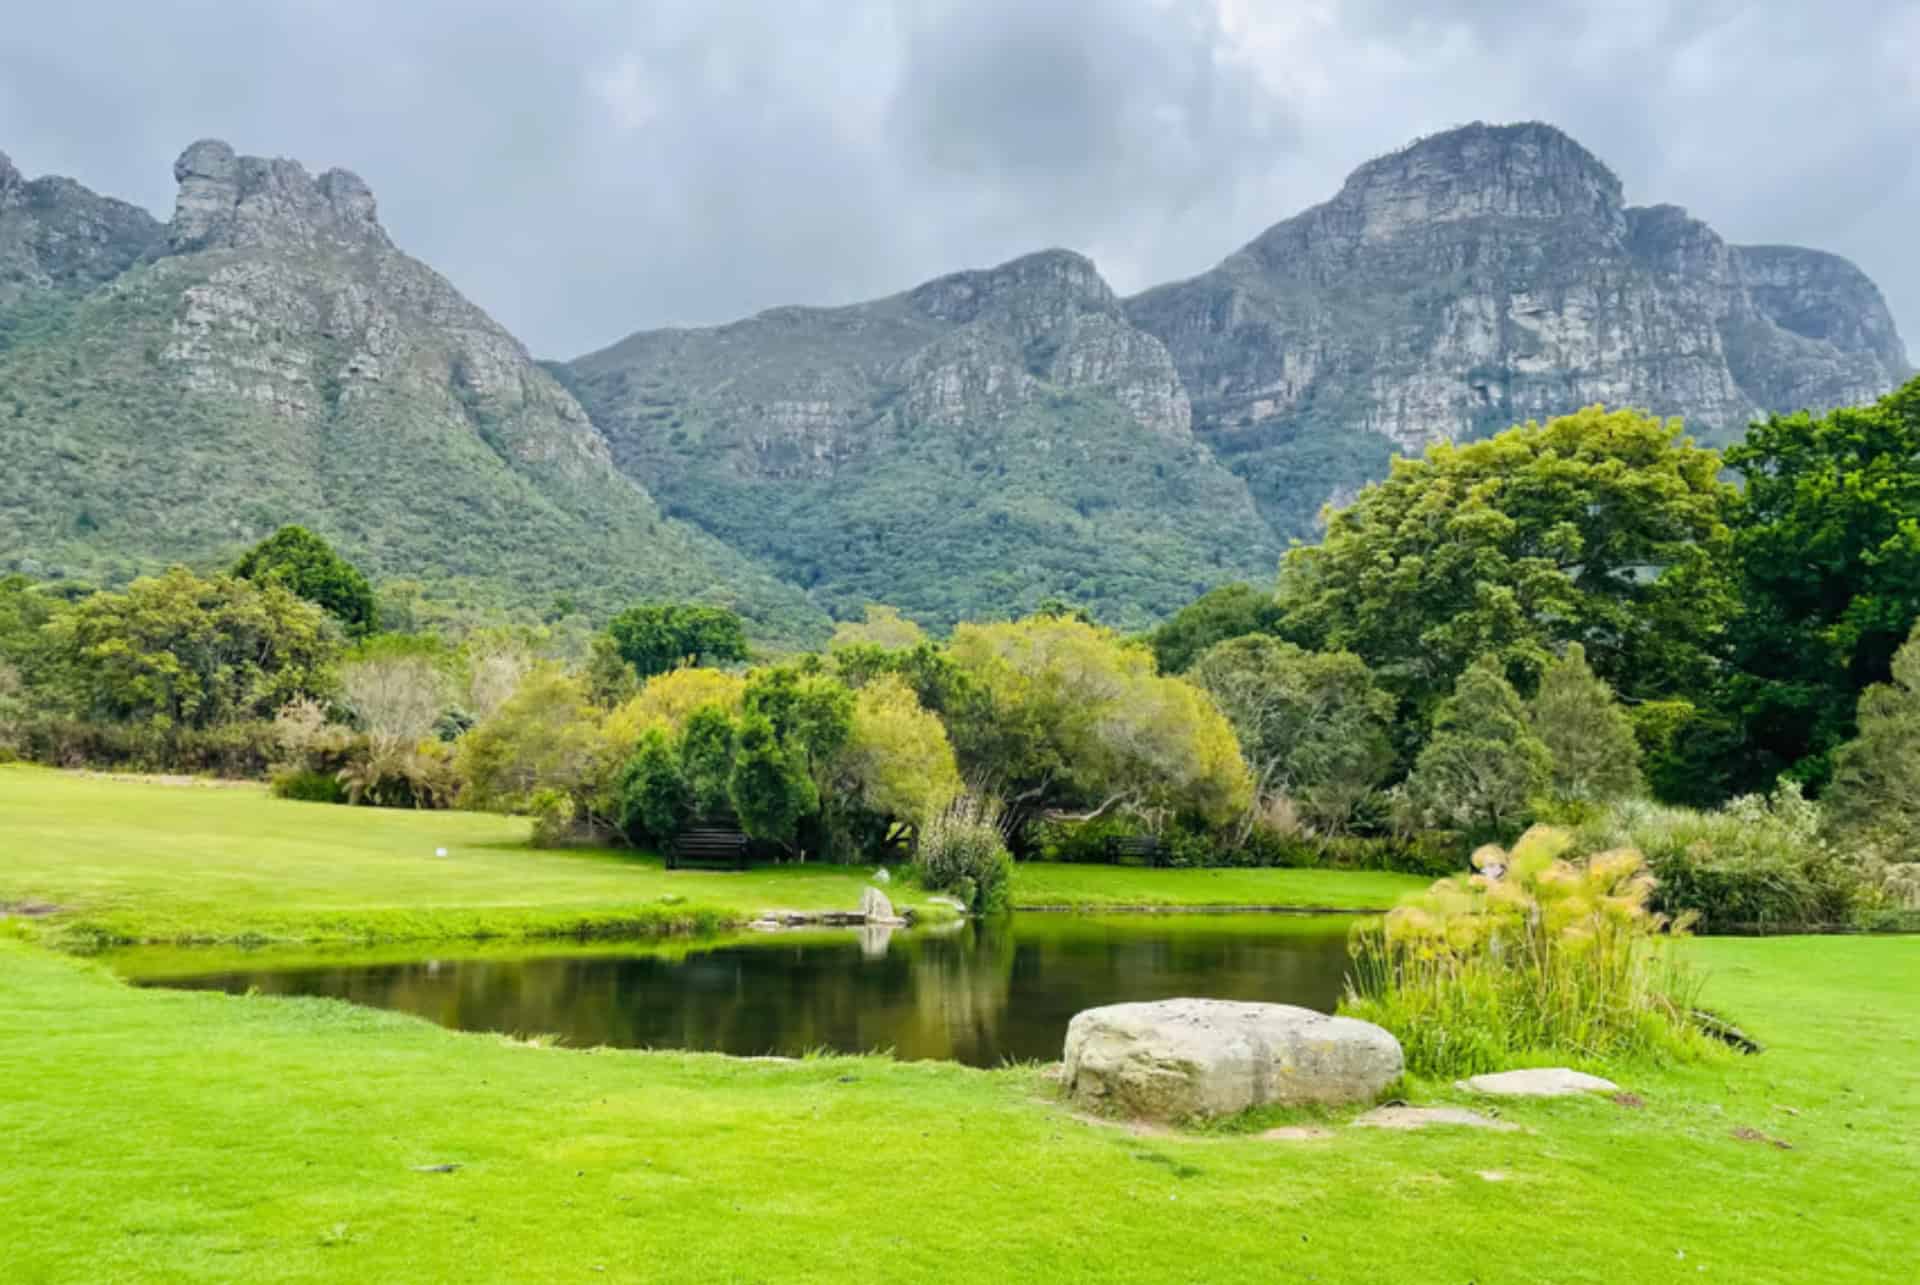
[[972, 446], [274, 358], [1488, 276], [56, 237]]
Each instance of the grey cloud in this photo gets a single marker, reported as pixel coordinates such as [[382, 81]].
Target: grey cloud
[[583, 168]]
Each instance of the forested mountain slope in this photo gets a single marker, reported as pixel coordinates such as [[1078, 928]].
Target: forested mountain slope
[[270, 357]]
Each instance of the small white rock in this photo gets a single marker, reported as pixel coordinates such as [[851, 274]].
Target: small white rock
[[881, 876], [1537, 1082], [439, 852]]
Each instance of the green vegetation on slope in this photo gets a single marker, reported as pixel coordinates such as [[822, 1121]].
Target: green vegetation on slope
[[284, 1140]]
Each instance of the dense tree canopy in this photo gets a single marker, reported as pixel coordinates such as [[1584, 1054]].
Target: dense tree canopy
[[297, 558], [1312, 725], [1603, 528], [657, 636], [1231, 611], [1827, 535], [1084, 719], [1588, 736], [179, 651]]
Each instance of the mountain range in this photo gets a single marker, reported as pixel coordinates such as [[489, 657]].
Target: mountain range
[[967, 448]]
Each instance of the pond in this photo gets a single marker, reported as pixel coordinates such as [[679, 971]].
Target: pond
[[983, 994]]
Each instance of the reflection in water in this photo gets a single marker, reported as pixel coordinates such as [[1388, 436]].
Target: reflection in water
[[982, 995]]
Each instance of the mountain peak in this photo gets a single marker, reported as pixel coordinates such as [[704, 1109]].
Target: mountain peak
[[1046, 277], [1525, 171], [227, 200]]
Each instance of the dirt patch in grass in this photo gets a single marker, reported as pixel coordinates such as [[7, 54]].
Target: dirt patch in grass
[[29, 909]]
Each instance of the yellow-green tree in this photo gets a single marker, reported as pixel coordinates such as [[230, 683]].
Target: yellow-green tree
[[1084, 720], [897, 763], [884, 627]]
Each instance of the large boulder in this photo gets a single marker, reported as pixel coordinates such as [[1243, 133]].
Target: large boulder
[[1184, 1059]]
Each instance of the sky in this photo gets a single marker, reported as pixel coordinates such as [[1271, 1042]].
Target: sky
[[587, 168]]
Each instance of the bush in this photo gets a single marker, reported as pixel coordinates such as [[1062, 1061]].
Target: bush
[[242, 751], [1758, 863], [964, 851], [307, 786], [1534, 955]]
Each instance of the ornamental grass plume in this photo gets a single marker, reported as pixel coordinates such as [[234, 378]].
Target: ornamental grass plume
[[1533, 954]]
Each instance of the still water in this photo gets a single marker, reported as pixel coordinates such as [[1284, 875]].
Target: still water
[[982, 995]]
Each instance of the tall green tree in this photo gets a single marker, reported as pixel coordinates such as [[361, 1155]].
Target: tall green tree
[[1827, 538], [1603, 528], [1313, 726], [655, 637], [1588, 736], [179, 651], [1483, 763], [771, 789], [308, 566], [1874, 801], [1231, 611]]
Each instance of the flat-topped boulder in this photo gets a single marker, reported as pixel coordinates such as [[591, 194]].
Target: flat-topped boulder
[[1537, 1082], [1189, 1059]]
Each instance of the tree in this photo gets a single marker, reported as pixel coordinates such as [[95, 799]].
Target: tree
[[655, 801], [658, 636], [1313, 726], [611, 681], [896, 762], [1483, 763], [397, 686], [1588, 736], [706, 760], [306, 564], [1603, 528], [178, 651], [1875, 797], [668, 700], [811, 714], [1231, 611], [1826, 534], [1081, 719], [771, 790], [546, 736], [884, 627]]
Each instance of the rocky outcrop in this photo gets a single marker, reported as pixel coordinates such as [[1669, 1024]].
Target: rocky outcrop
[[1484, 277], [228, 201], [1194, 1059], [59, 239]]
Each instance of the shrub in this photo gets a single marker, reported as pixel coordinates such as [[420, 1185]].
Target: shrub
[[963, 850], [554, 817], [1535, 954], [1756, 863], [307, 786]]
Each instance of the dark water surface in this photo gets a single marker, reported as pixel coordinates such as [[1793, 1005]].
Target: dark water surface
[[981, 995]]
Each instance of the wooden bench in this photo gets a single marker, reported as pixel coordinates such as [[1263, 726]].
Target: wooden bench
[[1131, 849], [712, 846]]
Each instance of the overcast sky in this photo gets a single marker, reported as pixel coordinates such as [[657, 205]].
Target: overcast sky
[[585, 168]]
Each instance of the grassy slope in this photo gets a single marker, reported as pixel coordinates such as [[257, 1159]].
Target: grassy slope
[[176, 1136], [157, 862]]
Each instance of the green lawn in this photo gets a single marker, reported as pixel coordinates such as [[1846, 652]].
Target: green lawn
[[162, 1136], [138, 861], [1093, 887]]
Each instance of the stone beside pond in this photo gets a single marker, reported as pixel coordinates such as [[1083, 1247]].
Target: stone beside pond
[[1197, 1059]]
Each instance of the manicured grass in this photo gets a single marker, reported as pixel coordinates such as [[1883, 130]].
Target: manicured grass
[[139, 861], [151, 862], [1091, 887], [165, 1136]]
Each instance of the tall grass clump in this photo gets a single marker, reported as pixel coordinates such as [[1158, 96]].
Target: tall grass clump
[[1759, 863], [1534, 954], [963, 851]]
